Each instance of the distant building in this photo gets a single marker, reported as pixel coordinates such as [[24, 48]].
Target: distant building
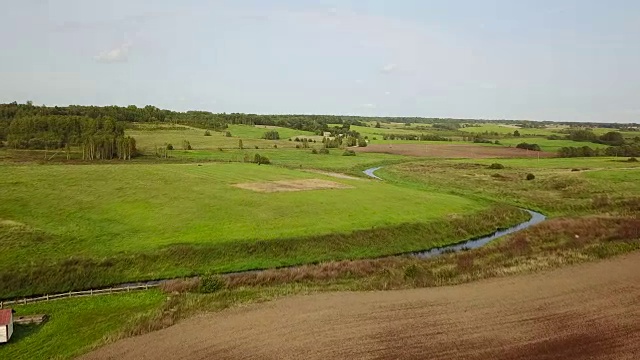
[[6, 325], [326, 134]]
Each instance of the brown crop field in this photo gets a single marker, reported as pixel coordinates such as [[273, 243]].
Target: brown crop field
[[452, 151], [588, 311]]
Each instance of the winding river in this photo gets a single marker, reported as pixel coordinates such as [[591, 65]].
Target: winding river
[[536, 218]]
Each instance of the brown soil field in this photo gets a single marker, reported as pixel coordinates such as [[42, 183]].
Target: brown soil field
[[292, 185], [452, 151], [589, 311]]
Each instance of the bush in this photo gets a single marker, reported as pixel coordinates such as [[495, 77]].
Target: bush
[[575, 169], [169, 147], [186, 145], [275, 146], [227, 134], [256, 146], [261, 160], [207, 133], [349, 153], [530, 176], [496, 166], [532, 147], [314, 151], [362, 142], [271, 135], [632, 159], [211, 283]]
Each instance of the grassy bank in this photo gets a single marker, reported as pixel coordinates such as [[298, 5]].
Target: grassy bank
[[75, 326], [82, 272]]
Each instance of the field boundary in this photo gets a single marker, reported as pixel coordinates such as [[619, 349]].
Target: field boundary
[[83, 293]]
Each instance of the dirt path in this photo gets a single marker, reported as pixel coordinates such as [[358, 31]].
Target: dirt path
[[589, 311]]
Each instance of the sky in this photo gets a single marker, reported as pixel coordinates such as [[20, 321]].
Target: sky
[[570, 60]]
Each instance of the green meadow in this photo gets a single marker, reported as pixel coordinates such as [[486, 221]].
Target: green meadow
[[75, 326]]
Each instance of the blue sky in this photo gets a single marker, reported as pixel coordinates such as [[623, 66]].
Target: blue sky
[[544, 60]]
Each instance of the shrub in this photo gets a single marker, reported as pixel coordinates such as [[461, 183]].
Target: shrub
[[375, 138], [258, 159], [632, 159], [275, 146], [533, 147], [496, 166], [314, 151], [324, 151], [297, 146], [211, 283], [207, 133], [256, 146], [530, 176], [362, 142], [227, 134], [349, 153], [169, 147], [271, 135], [497, 142], [240, 145], [186, 145], [575, 169]]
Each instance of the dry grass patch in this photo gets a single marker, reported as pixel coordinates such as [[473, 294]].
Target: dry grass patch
[[334, 174], [292, 185]]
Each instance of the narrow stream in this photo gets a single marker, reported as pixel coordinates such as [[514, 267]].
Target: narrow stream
[[536, 218]]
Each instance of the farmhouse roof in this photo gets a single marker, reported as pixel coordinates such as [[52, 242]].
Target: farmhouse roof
[[5, 317]]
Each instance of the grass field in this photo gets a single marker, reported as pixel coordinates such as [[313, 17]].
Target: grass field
[[507, 129], [549, 145], [77, 325], [93, 225], [251, 136], [294, 158], [561, 186], [80, 225]]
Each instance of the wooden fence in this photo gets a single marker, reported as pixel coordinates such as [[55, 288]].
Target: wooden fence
[[72, 294]]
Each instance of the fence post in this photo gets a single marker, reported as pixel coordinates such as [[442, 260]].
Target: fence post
[[91, 292], [1, 304], [146, 286], [47, 297], [25, 301], [128, 288]]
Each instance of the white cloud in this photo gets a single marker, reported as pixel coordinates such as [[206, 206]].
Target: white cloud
[[387, 92], [389, 68], [118, 54], [369, 106], [333, 11]]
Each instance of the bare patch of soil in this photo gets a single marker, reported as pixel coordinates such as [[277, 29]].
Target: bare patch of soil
[[292, 185], [452, 151], [588, 311], [334, 174]]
